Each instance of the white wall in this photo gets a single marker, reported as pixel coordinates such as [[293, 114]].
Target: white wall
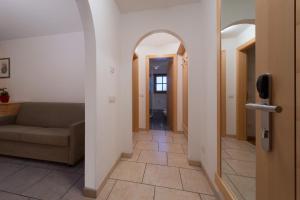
[[142, 51], [187, 22], [47, 68], [230, 45], [236, 10], [104, 140]]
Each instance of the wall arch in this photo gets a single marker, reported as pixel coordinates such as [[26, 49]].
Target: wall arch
[[144, 36], [90, 91]]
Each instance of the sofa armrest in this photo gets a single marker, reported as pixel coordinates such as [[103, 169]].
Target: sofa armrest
[[77, 142], [6, 120]]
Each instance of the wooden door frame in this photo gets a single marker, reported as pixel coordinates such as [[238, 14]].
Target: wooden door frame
[[174, 57], [135, 94], [223, 94], [241, 91]]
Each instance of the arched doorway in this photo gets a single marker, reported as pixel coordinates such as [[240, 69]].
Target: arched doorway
[[160, 93]]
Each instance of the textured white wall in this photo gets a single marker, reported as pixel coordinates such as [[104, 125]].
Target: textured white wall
[[230, 45], [107, 141], [47, 68]]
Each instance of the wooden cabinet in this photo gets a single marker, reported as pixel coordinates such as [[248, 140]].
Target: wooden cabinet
[[9, 109]]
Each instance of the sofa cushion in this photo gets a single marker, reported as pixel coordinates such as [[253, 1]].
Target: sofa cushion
[[52, 115], [36, 135]]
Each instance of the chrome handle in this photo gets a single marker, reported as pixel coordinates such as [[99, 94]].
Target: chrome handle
[[265, 108]]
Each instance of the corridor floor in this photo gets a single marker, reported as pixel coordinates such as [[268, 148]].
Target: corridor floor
[[158, 170]]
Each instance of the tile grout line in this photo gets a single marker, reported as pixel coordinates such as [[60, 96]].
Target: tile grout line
[[21, 195], [71, 186], [144, 172], [120, 180], [180, 179], [110, 190]]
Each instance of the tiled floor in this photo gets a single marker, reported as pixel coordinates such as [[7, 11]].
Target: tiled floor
[[158, 170], [22, 179], [239, 167]]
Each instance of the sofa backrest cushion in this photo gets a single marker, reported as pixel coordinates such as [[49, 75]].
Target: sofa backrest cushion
[[54, 115]]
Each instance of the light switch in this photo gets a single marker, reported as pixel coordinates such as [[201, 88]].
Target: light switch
[[112, 99]]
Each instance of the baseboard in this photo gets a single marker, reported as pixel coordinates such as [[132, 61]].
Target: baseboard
[[228, 195], [199, 164], [185, 129], [230, 136], [92, 193], [143, 129], [195, 163], [126, 155]]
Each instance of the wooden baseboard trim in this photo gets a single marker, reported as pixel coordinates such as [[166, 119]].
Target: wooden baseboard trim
[[126, 155], [195, 163], [230, 136], [228, 195], [143, 129], [198, 164], [185, 129], [92, 193]]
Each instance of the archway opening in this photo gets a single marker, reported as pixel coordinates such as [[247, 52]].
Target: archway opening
[[160, 92]]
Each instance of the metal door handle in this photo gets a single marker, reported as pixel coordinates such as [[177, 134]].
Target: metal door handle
[[265, 108]]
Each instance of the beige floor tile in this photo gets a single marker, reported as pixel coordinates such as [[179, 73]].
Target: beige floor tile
[[165, 139], [238, 145], [185, 148], [241, 155], [231, 187], [143, 137], [171, 194], [180, 160], [53, 186], [153, 157], [246, 186], [243, 168], [172, 148], [8, 196], [180, 141], [134, 157], [129, 171], [162, 176], [226, 168], [207, 197], [23, 179], [225, 154], [106, 190], [179, 136], [131, 191], [147, 146], [195, 181], [170, 133]]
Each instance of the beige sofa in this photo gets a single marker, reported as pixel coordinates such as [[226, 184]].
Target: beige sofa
[[45, 131]]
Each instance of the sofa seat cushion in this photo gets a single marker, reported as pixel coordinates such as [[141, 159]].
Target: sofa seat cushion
[[36, 135]]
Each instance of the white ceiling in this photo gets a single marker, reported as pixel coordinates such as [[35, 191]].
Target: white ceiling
[[159, 39], [28, 18], [235, 30], [127, 6]]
